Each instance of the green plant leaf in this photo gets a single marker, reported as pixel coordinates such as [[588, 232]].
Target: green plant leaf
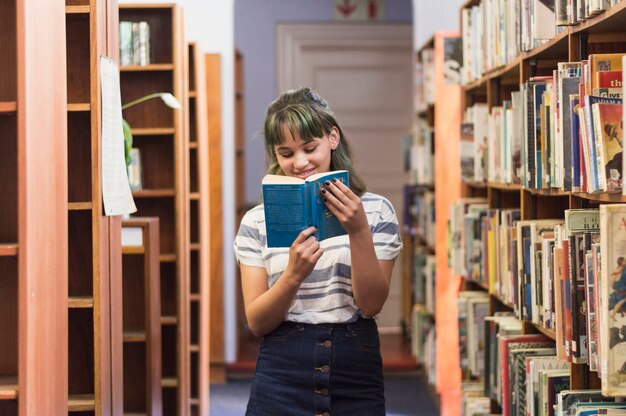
[[128, 141]]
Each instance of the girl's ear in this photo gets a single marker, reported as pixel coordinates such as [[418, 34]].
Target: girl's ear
[[334, 138]]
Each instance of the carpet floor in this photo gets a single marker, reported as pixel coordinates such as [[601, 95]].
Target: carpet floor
[[404, 395]]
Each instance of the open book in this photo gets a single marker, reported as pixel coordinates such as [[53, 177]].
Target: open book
[[292, 205]]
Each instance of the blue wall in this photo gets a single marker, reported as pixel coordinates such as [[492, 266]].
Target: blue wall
[[255, 33]]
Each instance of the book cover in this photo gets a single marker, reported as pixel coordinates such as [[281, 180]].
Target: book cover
[[613, 299], [467, 152], [607, 120], [609, 84], [291, 205], [602, 62], [555, 381]]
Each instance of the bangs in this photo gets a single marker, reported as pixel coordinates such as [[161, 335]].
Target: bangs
[[300, 120]]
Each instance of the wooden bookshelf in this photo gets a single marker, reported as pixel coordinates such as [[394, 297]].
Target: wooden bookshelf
[[160, 134], [95, 334], [198, 234], [603, 33], [33, 260], [241, 206], [213, 82], [141, 316]]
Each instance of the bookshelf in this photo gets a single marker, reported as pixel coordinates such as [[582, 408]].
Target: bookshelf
[[216, 270], [160, 134], [241, 207], [198, 194], [33, 256], [602, 33], [141, 316], [421, 216], [94, 250]]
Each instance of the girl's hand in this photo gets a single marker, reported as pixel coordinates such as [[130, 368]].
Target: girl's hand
[[345, 205], [303, 255]]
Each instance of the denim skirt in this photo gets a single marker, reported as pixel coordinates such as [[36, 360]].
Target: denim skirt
[[321, 369]]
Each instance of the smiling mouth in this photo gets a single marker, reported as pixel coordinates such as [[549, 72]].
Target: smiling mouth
[[304, 175]]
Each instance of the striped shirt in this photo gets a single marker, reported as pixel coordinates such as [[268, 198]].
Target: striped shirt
[[325, 296]]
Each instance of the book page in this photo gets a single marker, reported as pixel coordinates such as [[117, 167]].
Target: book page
[[116, 194]]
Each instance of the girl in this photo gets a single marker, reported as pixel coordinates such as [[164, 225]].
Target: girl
[[313, 304]]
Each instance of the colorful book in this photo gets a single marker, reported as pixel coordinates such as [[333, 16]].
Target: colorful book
[[609, 134], [613, 299]]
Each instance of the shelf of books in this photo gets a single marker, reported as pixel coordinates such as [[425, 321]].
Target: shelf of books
[[537, 235], [198, 191], [432, 289], [141, 312], [94, 249], [33, 241], [153, 58], [418, 220]]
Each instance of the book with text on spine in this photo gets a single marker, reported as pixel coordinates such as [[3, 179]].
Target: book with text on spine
[[292, 205]]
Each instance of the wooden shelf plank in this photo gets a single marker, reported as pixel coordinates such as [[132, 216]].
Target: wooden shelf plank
[[548, 192], [167, 258], [155, 193], [133, 249], [193, 94], [80, 302], [79, 106], [77, 9], [169, 320], [547, 332], [602, 197], [134, 336], [169, 382], [193, 145], [147, 68], [194, 196], [504, 186], [194, 348], [81, 403], [195, 297], [194, 402], [484, 285], [8, 388], [79, 206], [156, 131], [8, 107], [8, 250], [194, 246]]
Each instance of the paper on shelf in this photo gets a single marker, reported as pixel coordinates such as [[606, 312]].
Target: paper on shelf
[[116, 193]]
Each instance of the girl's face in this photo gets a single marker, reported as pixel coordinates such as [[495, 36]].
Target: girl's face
[[301, 160]]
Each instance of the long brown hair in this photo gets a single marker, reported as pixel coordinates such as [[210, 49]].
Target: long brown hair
[[304, 112]]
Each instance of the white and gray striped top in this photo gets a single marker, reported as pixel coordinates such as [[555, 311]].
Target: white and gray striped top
[[325, 296]]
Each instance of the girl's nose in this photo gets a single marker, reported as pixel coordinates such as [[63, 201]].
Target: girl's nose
[[300, 160]]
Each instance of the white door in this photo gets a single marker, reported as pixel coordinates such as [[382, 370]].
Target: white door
[[365, 73]]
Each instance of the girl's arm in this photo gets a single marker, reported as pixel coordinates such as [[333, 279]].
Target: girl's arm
[[267, 307], [370, 277]]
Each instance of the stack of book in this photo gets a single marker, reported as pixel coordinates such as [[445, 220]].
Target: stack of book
[[134, 43]]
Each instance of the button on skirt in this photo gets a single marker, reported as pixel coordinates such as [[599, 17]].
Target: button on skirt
[[322, 369]]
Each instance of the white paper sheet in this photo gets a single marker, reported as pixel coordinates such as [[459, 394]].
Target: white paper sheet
[[116, 194]]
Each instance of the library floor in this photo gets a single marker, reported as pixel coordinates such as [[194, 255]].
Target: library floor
[[406, 391]]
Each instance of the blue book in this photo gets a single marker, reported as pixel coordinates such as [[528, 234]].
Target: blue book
[[292, 205]]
